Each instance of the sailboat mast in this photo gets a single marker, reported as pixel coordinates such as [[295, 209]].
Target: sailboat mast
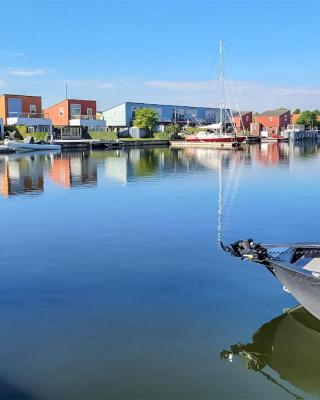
[[221, 85]]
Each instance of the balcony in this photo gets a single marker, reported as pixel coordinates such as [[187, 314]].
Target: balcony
[[89, 121], [28, 115], [84, 117], [29, 119]]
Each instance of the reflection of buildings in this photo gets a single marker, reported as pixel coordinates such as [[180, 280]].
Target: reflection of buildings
[[18, 176], [271, 154], [73, 169], [116, 167], [289, 346]]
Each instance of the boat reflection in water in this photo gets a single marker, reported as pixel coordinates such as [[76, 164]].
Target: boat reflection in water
[[289, 345]]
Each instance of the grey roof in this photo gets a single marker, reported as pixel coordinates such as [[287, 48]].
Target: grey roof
[[278, 111], [242, 113]]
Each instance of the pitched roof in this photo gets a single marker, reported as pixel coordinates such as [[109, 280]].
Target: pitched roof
[[242, 113], [278, 111]]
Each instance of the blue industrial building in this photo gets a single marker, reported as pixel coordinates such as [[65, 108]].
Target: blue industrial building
[[121, 116]]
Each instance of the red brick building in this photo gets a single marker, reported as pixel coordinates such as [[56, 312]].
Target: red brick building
[[23, 110], [243, 120], [274, 121]]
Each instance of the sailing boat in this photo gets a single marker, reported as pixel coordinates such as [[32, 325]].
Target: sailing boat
[[216, 133]]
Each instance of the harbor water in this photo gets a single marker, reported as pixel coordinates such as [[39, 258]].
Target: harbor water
[[113, 286]]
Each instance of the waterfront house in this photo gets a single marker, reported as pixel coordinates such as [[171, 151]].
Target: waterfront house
[[294, 118], [75, 113], [120, 117], [274, 121], [243, 120], [24, 111]]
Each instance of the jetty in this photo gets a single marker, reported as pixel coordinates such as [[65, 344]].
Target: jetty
[[80, 144]]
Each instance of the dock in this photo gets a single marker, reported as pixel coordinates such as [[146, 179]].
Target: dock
[[86, 144], [6, 150], [146, 142]]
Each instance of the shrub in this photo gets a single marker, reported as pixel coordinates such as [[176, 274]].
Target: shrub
[[21, 132], [102, 135], [163, 135]]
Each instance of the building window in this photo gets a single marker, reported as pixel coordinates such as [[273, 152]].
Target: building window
[[33, 109], [89, 112], [270, 119], [75, 110], [61, 111]]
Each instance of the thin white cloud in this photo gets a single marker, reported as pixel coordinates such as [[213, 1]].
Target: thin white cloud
[[92, 83], [250, 95], [28, 72], [105, 85], [177, 85], [12, 53], [2, 83]]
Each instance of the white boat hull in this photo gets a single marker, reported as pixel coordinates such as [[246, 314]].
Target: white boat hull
[[20, 146]]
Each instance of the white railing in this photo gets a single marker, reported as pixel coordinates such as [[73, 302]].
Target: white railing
[[27, 115], [82, 116]]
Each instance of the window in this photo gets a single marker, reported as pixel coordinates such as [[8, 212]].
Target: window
[[14, 107], [75, 110], [89, 112], [33, 109], [61, 111]]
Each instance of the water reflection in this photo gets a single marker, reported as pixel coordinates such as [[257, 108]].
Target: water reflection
[[29, 173], [73, 169], [289, 345], [21, 175]]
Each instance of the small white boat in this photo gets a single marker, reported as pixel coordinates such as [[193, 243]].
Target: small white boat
[[21, 146]]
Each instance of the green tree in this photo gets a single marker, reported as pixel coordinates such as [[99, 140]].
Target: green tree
[[316, 111], [296, 111], [308, 118], [146, 118]]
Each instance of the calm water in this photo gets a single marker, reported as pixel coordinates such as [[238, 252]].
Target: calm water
[[112, 285]]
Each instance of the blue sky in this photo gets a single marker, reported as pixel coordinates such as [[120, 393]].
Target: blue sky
[[162, 51]]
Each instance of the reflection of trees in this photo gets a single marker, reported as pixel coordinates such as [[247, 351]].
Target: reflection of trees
[[307, 148], [147, 164]]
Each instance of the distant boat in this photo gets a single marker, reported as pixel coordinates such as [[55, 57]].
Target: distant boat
[[296, 266], [21, 146], [216, 133]]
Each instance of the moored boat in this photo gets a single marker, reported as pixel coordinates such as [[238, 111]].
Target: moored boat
[[296, 266], [214, 138], [225, 131], [21, 146]]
